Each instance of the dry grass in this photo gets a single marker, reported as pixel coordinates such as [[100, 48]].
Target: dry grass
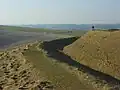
[[98, 50], [16, 73], [88, 76], [62, 79]]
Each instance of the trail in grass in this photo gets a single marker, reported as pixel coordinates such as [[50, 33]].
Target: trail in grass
[[62, 79]]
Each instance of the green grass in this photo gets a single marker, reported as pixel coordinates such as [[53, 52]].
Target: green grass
[[62, 79]]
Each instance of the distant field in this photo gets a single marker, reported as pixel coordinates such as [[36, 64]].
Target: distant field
[[27, 29], [17, 35]]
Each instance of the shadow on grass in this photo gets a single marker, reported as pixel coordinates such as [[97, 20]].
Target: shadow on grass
[[53, 47], [58, 44]]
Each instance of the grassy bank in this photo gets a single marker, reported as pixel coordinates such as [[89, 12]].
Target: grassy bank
[[62, 79]]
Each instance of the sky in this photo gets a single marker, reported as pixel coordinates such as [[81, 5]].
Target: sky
[[59, 12]]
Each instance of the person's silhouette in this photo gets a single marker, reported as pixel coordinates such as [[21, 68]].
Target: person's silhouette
[[93, 27]]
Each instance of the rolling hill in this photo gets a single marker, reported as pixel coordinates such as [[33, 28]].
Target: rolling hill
[[98, 50]]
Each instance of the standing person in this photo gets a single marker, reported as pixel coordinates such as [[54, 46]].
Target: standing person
[[93, 28]]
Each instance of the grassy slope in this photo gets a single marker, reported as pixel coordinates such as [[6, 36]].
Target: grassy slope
[[16, 72], [98, 50], [53, 71], [99, 80]]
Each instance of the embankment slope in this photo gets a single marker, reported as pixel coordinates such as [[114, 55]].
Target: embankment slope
[[99, 50]]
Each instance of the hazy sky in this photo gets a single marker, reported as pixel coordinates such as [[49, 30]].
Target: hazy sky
[[59, 11]]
